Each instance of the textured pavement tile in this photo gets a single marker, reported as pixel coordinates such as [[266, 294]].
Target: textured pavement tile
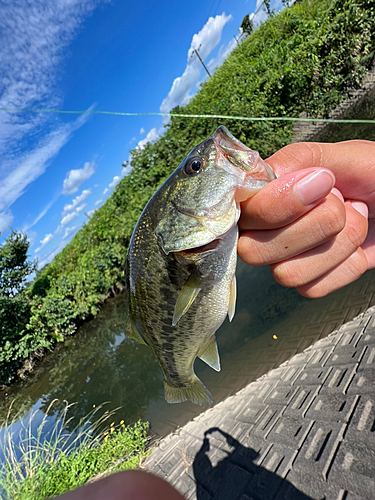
[[368, 360], [362, 424], [233, 484], [253, 449], [251, 413], [266, 422], [320, 356], [368, 337], [305, 431], [301, 401], [338, 379], [332, 407], [279, 459], [317, 451], [302, 486], [290, 431], [354, 468], [345, 355], [363, 382], [300, 359], [264, 485], [312, 376], [350, 337], [281, 395]]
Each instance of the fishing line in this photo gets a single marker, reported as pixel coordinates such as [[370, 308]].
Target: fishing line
[[182, 115]]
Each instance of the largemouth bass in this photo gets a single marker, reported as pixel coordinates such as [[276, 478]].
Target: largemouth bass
[[181, 263]]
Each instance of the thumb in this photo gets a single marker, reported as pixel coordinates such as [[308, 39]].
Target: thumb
[[286, 199]]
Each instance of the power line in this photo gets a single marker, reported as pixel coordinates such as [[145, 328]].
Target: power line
[[183, 115]]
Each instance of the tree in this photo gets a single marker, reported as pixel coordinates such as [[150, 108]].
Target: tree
[[247, 25], [14, 270]]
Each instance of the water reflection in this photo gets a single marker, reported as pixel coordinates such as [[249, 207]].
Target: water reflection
[[99, 364]]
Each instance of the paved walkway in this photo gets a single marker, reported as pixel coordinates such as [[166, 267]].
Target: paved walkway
[[305, 430]]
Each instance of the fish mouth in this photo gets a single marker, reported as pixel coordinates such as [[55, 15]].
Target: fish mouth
[[208, 247], [213, 245]]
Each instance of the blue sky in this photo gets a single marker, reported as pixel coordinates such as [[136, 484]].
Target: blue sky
[[109, 55]]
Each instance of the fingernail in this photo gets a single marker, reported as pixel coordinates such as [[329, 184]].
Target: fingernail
[[315, 186], [360, 207]]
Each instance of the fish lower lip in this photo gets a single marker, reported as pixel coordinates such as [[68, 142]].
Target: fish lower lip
[[203, 248]]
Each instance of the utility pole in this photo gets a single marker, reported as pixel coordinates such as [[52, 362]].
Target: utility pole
[[199, 57]]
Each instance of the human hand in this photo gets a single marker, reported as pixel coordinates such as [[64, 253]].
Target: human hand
[[315, 237], [127, 485]]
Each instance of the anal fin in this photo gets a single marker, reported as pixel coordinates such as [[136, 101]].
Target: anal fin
[[232, 298], [132, 333], [186, 297], [210, 355]]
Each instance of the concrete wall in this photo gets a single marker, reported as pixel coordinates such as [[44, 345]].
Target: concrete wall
[[360, 101]]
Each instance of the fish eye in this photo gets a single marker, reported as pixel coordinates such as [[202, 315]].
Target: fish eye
[[193, 166]]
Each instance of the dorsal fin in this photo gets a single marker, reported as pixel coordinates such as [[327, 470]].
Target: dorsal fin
[[186, 297], [210, 355]]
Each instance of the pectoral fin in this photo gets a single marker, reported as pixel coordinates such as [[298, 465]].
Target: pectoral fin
[[186, 297], [232, 298], [132, 333], [210, 355]]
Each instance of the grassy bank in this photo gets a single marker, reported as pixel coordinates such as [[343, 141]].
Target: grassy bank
[[301, 60], [39, 467]]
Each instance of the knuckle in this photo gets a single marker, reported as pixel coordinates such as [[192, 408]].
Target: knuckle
[[335, 218], [287, 274], [249, 252], [357, 264], [356, 229]]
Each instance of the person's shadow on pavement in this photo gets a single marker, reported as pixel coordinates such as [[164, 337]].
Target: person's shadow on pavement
[[225, 470]]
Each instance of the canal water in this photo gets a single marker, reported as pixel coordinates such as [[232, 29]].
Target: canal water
[[99, 366]]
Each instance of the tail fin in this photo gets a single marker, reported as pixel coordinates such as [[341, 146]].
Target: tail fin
[[195, 392]]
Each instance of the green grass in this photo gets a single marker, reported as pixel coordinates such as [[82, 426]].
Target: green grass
[[40, 468]]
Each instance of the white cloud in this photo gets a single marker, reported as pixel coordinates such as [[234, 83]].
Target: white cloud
[[223, 53], [33, 36], [33, 39], [31, 165], [98, 202], [6, 219], [26, 227], [77, 200], [70, 230], [206, 40], [142, 131], [76, 177], [44, 242], [31, 236], [105, 191], [67, 220], [90, 212], [151, 136], [260, 15], [115, 181]]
